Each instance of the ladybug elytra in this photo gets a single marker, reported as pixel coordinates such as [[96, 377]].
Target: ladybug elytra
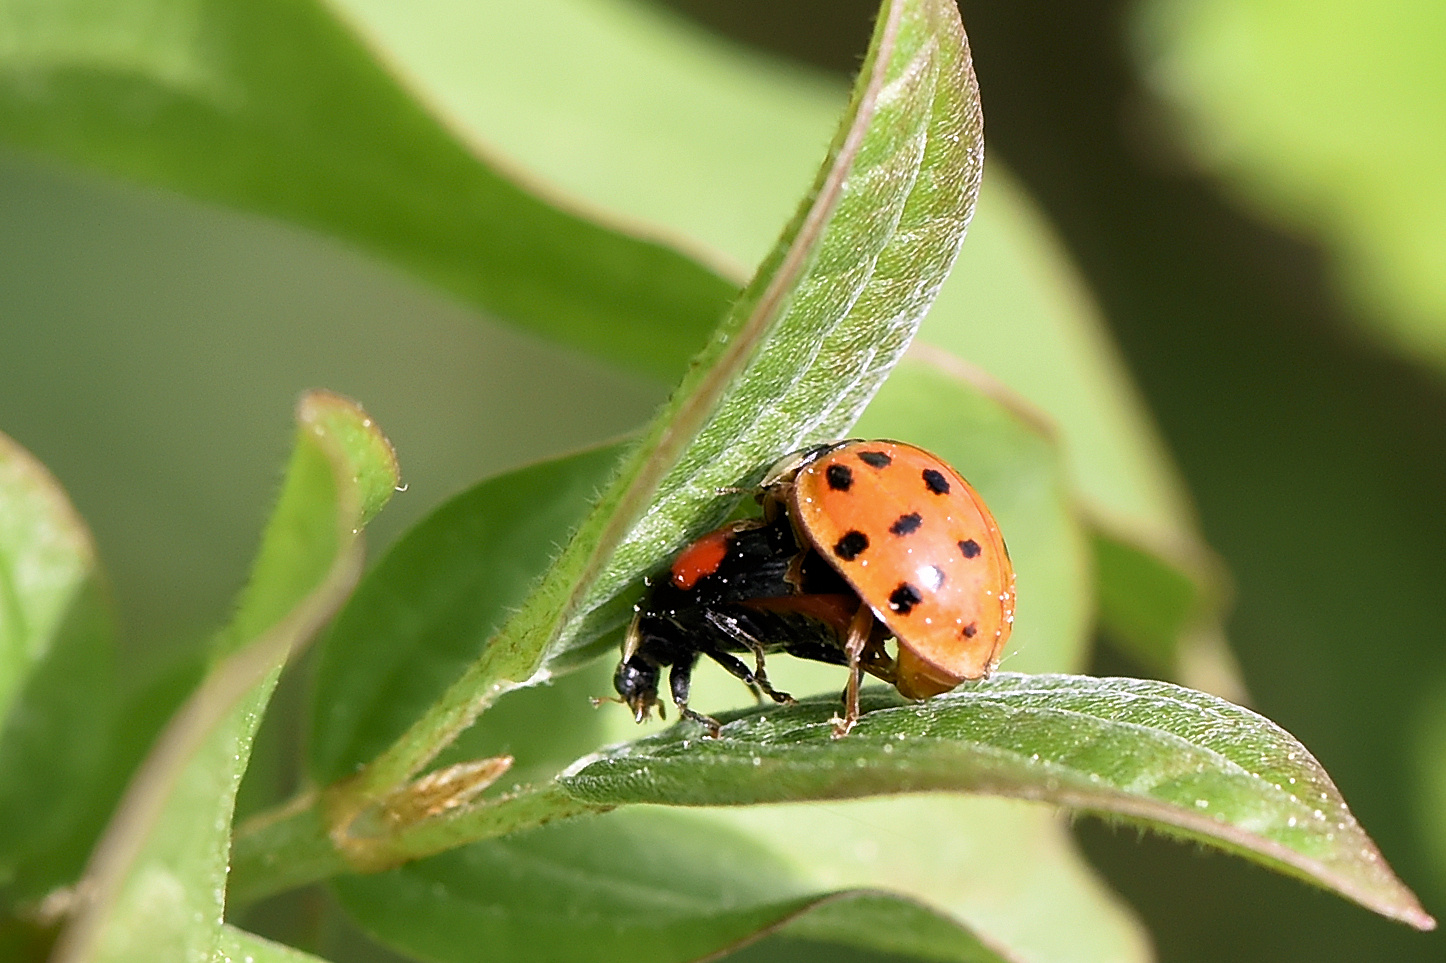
[[860, 542]]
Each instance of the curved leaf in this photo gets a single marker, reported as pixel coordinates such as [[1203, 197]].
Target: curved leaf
[[57, 681], [1150, 752], [272, 106], [47, 562], [803, 351], [156, 883]]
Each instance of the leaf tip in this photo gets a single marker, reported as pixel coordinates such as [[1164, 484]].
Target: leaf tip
[[361, 454]]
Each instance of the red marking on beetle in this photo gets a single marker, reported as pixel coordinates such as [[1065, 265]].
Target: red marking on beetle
[[700, 559]]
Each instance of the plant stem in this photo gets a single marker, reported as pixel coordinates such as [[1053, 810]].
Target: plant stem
[[274, 853]]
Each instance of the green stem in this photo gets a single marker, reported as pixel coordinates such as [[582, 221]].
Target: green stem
[[274, 854]]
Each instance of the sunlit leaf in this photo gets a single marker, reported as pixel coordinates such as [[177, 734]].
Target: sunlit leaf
[[273, 106], [1353, 158]]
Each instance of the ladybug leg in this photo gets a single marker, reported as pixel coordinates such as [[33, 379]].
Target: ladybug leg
[[740, 670], [680, 680], [757, 680], [760, 678], [875, 659], [861, 628]]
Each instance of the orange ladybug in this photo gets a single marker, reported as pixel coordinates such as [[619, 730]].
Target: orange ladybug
[[860, 542]]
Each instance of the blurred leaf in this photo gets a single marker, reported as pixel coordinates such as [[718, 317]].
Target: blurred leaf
[[1429, 806], [57, 681], [1162, 604], [625, 104], [1006, 870], [1016, 307], [650, 887], [1352, 156], [1144, 602], [273, 106], [1148, 752], [155, 885], [48, 562], [239, 946], [802, 352], [420, 616]]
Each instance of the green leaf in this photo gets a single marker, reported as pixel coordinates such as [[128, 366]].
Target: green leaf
[[239, 946], [803, 351], [571, 886], [624, 104], [1352, 159], [998, 868], [1161, 603], [57, 681], [653, 887], [273, 106], [47, 564], [1149, 752], [156, 882]]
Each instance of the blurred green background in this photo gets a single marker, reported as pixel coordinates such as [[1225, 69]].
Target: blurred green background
[[1252, 190]]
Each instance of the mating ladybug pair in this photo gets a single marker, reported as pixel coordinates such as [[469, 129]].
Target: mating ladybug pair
[[860, 542]]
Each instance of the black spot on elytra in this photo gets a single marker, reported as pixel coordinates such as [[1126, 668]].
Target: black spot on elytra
[[840, 477], [936, 482], [904, 598], [971, 630], [970, 548], [907, 524], [875, 459], [851, 545]]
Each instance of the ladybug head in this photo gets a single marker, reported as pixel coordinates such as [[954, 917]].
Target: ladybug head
[[637, 683]]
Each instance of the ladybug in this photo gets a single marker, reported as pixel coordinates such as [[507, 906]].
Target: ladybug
[[860, 542]]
